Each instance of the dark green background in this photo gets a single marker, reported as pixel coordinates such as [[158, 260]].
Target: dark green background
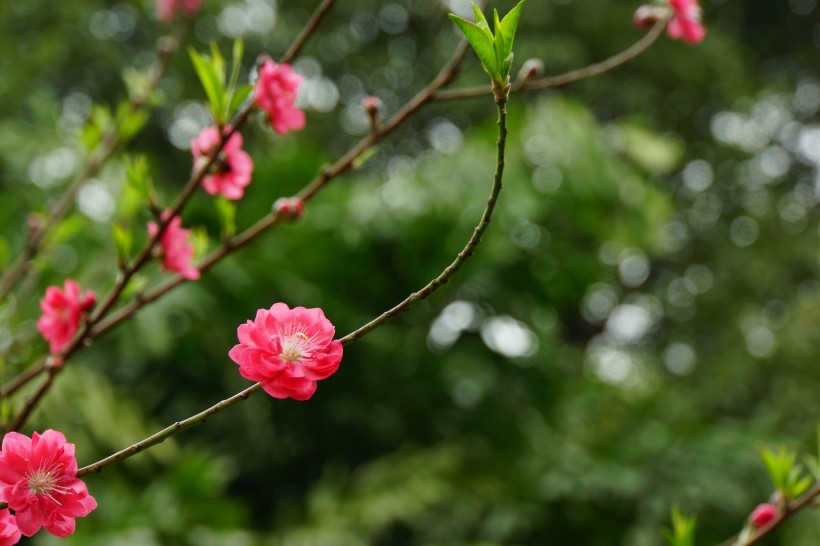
[[672, 323]]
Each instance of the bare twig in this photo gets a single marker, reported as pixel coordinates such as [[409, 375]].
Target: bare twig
[[569, 77]]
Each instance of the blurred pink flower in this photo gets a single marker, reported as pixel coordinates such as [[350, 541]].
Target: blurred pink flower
[[62, 311], [233, 169], [685, 24], [9, 533], [763, 515], [177, 251], [167, 9], [287, 350], [38, 480], [276, 92]]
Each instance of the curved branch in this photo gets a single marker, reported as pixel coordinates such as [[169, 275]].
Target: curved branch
[[436, 283], [568, 77]]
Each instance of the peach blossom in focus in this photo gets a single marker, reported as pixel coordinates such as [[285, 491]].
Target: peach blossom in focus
[[685, 23], [287, 350], [9, 533], [38, 480], [177, 250], [62, 311], [276, 91], [231, 172], [167, 9]]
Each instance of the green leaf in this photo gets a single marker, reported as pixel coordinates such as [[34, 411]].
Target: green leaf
[[129, 121], [212, 82], [366, 156], [481, 21], [122, 242], [236, 62], [218, 62], [682, 532], [786, 473], [510, 24], [482, 44], [226, 210], [239, 97]]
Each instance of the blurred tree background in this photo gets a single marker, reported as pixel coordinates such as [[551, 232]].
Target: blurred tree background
[[642, 314]]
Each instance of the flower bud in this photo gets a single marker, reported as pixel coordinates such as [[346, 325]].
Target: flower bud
[[647, 16], [532, 68], [373, 106], [763, 515], [289, 207]]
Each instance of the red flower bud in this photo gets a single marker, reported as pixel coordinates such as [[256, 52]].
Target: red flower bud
[[763, 515], [289, 207], [647, 16]]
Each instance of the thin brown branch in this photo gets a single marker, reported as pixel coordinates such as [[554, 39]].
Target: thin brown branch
[[307, 31], [569, 77], [32, 402]]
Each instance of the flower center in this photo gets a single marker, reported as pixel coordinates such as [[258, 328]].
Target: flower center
[[295, 346], [45, 482]]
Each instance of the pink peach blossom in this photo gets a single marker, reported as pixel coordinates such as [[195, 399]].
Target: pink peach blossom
[[276, 92], [177, 251], [9, 533], [62, 311], [38, 480], [763, 515], [232, 172], [167, 9], [685, 23], [287, 350]]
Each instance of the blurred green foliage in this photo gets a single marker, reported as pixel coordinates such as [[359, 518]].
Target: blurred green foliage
[[642, 314]]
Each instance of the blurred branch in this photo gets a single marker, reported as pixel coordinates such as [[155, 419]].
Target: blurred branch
[[309, 29], [166, 47], [569, 77]]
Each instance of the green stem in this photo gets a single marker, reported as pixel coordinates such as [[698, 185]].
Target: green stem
[[432, 286], [465, 253]]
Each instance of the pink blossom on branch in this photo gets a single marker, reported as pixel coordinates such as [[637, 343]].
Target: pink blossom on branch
[[177, 250], [231, 172], [167, 9], [9, 533], [287, 350], [38, 480], [685, 23], [276, 91], [62, 311]]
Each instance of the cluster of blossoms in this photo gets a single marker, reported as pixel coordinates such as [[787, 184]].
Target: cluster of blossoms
[[38, 481], [167, 9]]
